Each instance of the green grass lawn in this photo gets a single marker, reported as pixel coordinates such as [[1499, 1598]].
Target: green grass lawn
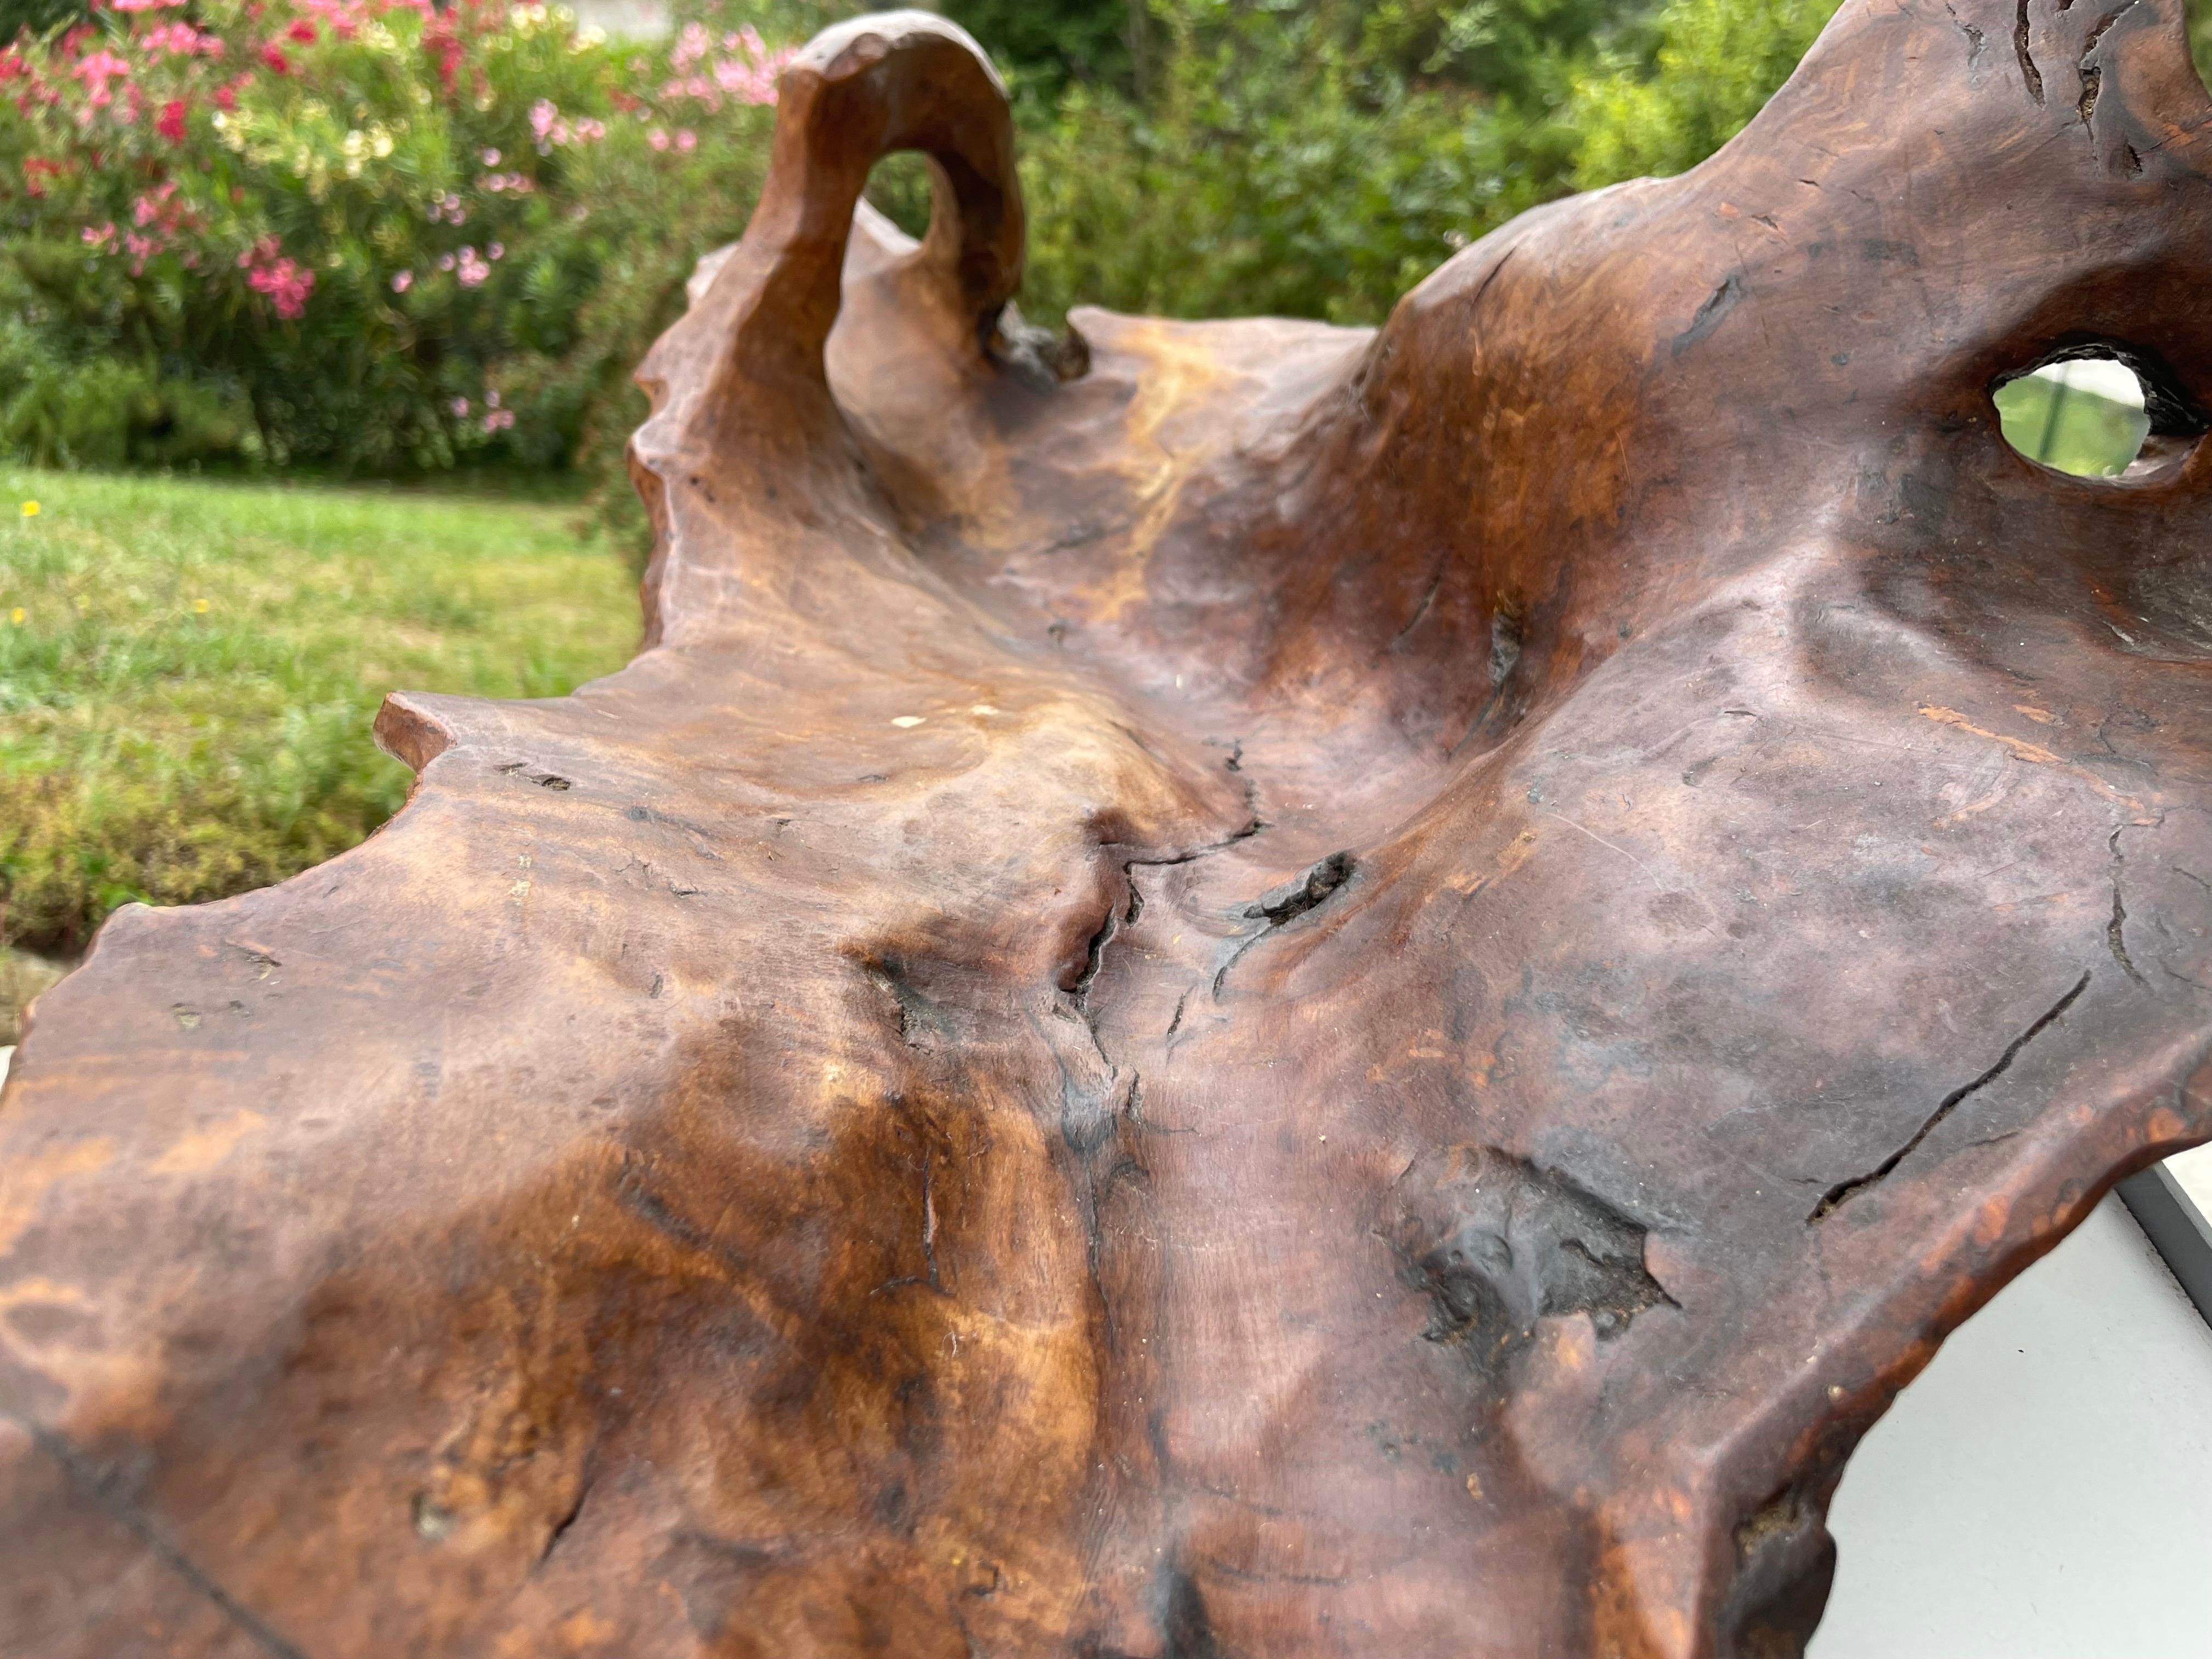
[[188, 670]]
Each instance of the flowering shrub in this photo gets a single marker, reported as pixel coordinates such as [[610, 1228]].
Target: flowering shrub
[[386, 235], [356, 234]]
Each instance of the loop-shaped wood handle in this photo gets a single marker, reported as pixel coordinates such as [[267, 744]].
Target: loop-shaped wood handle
[[859, 92]]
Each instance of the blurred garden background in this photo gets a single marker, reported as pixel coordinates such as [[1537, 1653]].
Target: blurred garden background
[[317, 318]]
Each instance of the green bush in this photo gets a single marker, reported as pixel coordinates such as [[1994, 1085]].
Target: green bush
[[1316, 159], [1098, 41], [249, 237], [370, 235], [39, 15], [352, 234], [1277, 169], [1716, 64]]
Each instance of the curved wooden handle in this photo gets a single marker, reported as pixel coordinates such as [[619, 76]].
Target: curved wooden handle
[[859, 92], [739, 384]]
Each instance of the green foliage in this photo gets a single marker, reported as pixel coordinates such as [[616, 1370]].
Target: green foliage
[[23, 977], [1518, 48], [1716, 63], [188, 670], [1048, 43], [39, 15], [1312, 158], [63, 402], [1277, 168], [2071, 428], [366, 235], [352, 234]]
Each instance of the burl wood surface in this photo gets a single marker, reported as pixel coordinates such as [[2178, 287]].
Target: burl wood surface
[[1284, 993]]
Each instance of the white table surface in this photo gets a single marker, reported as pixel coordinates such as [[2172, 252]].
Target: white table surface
[[2043, 1489], [2193, 1170]]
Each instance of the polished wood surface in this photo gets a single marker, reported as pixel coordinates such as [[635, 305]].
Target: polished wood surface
[[1217, 990]]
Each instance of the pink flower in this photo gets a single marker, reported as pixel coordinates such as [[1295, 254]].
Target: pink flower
[[690, 47], [401, 281], [445, 262], [473, 271], [181, 37], [141, 5], [171, 122], [753, 81], [657, 138], [341, 17], [276, 59], [491, 158], [101, 238], [97, 70], [491, 398], [303, 31], [460, 405], [497, 250], [587, 127], [287, 284], [686, 140], [546, 123]]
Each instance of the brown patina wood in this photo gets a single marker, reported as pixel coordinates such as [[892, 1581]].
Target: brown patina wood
[[1269, 991]]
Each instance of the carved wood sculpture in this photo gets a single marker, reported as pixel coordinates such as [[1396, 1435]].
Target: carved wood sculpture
[[1286, 992]]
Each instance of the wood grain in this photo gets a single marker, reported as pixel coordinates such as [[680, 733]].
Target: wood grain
[[1217, 989]]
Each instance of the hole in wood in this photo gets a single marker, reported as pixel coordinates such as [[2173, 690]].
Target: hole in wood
[[2097, 412]]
